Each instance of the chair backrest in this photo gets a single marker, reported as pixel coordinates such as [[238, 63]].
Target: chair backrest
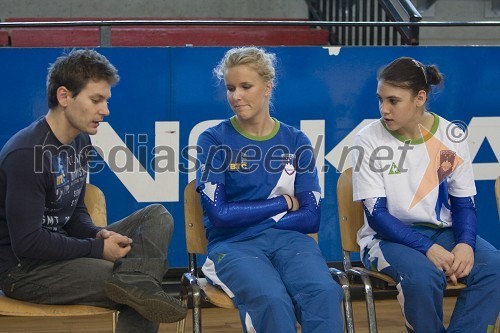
[[351, 215], [196, 240], [96, 205], [497, 194]]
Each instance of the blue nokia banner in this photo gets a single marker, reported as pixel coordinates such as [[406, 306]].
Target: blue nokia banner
[[146, 149]]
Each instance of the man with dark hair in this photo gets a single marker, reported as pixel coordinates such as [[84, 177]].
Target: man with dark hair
[[50, 251]]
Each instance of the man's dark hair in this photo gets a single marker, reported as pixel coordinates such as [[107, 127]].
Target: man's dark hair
[[75, 69]]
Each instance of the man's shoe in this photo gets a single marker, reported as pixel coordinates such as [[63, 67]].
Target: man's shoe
[[146, 296]]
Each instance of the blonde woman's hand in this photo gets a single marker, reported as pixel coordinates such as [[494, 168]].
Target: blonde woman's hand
[[443, 260]]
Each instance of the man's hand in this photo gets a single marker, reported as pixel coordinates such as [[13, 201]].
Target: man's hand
[[443, 260], [116, 247], [464, 260], [104, 233]]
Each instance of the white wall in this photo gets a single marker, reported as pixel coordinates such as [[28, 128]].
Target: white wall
[[154, 8], [460, 10]]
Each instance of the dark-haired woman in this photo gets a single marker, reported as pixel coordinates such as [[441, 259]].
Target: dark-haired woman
[[416, 183]]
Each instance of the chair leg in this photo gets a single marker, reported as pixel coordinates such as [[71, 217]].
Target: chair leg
[[181, 325], [370, 304], [196, 308], [349, 314], [113, 323], [192, 281]]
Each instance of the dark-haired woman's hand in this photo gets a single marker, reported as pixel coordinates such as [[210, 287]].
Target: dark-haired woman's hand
[[463, 260], [442, 259]]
